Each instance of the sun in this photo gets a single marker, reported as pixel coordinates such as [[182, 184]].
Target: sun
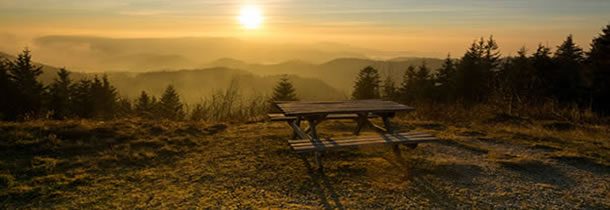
[[250, 17]]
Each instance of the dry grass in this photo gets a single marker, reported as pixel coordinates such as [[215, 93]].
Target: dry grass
[[145, 164]]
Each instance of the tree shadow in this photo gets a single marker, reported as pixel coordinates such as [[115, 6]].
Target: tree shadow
[[427, 178], [479, 150], [322, 186], [538, 171], [584, 163]]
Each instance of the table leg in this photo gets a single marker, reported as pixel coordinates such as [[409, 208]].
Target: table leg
[[313, 132], [386, 123], [318, 156], [298, 123], [390, 129], [361, 122]]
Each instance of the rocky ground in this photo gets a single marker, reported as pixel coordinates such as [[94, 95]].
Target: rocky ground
[[134, 164]]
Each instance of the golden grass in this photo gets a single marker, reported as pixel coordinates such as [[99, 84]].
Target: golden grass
[[135, 163]]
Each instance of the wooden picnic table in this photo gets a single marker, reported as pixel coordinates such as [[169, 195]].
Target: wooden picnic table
[[314, 112]]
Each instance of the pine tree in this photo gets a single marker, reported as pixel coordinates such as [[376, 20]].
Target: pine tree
[[568, 87], [29, 91], [83, 104], [367, 84], [60, 94], [445, 80], [417, 85], [284, 91], [515, 81], [408, 85], [7, 110], [124, 107], [389, 92], [109, 99], [599, 63], [144, 106], [476, 71], [544, 71], [170, 106]]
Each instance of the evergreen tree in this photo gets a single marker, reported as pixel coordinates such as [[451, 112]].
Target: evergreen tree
[[284, 91], [568, 86], [424, 83], [170, 106], [445, 80], [515, 81], [476, 71], [83, 104], [144, 106], [7, 110], [124, 107], [544, 71], [367, 84], [408, 85], [599, 62], [418, 85], [29, 91], [60, 93], [109, 99], [389, 92]]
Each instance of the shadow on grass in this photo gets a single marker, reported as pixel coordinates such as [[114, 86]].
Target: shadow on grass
[[322, 186], [584, 163], [538, 172], [470, 147], [428, 178]]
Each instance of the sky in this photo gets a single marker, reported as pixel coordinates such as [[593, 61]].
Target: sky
[[421, 28]]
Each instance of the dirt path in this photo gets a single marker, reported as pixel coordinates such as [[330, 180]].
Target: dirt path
[[251, 166]]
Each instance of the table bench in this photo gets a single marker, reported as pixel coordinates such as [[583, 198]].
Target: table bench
[[307, 140]]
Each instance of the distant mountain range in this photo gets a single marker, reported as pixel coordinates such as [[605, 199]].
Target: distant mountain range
[[328, 80], [197, 84], [88, 53], [338, 73]]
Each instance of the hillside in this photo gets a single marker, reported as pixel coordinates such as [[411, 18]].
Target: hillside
[[89, 53], [48, 72], [196, 84], [339, 73], [132, 164]]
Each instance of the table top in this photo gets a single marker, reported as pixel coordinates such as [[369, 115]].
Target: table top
[[296, 108]]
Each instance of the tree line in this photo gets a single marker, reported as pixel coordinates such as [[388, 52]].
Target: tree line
[[23, 97], [569, 76]]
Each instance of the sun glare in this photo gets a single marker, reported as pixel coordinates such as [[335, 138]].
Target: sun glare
[[250, 17]]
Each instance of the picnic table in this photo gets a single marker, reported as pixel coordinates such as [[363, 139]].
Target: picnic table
[[314, 112]]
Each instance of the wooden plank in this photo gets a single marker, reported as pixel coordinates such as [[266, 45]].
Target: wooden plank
[[360, 141], [365, 138], [340, 107], [282, 117], [408, 135], [352, 138], [356, 144], [297, 130], [355, 141]]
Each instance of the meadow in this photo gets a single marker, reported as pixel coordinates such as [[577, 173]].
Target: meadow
[[493, 162]]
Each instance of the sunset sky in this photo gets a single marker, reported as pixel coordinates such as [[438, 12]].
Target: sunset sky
[[424, 28]]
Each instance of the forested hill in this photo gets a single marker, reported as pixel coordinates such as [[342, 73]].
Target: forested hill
[[339, 73], [329, 80], [48, 72], [194, 85]]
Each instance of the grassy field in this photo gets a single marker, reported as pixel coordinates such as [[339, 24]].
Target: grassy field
[[150, 164]]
